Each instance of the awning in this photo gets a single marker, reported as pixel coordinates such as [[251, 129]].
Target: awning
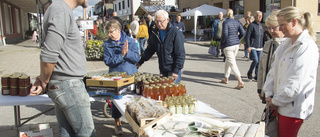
[[29, 5]]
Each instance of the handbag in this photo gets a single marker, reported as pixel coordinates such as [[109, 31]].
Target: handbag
[[270, 117], [213, 50]]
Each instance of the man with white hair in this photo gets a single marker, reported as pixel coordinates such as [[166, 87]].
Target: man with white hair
[[168, 42], [134, 27], [254, 43]]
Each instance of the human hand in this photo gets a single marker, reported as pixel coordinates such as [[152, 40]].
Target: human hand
[[125, 49], [271, 105], [38, 87], [261, 98], [175, 76], [249, 49], [138, 65]]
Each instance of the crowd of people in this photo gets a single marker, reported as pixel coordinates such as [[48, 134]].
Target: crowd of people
[[285, 66]]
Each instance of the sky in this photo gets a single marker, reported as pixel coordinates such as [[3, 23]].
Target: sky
[[79, 10]]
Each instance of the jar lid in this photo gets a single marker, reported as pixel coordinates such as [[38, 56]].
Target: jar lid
[[5, 76]]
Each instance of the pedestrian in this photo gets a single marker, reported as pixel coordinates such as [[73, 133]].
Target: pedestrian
[[120, 54], [179, 24], [151, 24], [254, 43], [167, 41], [291, 82], [142, 35], [269, 49], [230, 44], [134, 27], [248, 20], [208, 20], [217, 30], [62, 68]]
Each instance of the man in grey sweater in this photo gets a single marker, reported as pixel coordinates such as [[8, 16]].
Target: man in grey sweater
[[63, 65]]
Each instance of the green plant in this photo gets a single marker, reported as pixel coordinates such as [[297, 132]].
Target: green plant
[[94, 50], [215, 43]]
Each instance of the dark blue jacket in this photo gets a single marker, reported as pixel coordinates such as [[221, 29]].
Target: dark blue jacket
[[254, 37], [113, 56], [180, 25], [171, 53], [230, 30]]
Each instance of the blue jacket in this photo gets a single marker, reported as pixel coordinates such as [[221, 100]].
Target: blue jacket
[[180, 25], [170, 52], [230, 30], [254, 37], [215, 25], [113, 56]]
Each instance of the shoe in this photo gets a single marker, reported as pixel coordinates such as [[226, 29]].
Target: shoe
[[245, 57], [255, 78], [118, 130], [240, 86], [223, 81], [249, 76]]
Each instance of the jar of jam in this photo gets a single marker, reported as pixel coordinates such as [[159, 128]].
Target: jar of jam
[[23, 91], [163, 92], [145, 91], [169, 90], [150, 94], [5, 90], [157, 93], [14, 81], [23, 81], [5, 80], [14, 91]]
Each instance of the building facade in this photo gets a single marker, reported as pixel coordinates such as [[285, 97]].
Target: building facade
[[240, 7]]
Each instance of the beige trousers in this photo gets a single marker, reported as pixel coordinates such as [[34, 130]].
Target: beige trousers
[[230, 64]]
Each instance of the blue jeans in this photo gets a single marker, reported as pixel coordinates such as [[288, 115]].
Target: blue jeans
[[142, 41], [255, 57], [245, 50], [72, 106]]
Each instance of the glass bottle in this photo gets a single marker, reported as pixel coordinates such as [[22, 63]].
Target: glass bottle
[[163, 92], [145, 91], [157, 93], [150, 94], [169, 90]]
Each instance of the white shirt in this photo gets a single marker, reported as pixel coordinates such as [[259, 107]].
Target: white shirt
[[292, 78]]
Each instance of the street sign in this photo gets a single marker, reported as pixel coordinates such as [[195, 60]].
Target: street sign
[[86, 24]]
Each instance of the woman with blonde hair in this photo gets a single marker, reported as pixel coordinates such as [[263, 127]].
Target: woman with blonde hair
[[142, 35], [230, 45], [291, 82]]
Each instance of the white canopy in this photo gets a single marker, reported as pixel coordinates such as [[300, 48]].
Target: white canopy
[[203, 10]]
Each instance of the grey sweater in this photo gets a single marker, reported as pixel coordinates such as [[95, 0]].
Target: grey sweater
[[62, 43]]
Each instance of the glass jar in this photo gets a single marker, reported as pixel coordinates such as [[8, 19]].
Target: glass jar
[[5, 80], [157, 93], [171, 79], [169, 90], [178, 108], [138, 86], [191, 108], [14, 91], [185, 108], [23, 91], [23, 81], [145, 91], [182, 89], [5, 90], [14, 81], [175, 90], [150, 94], [163, 92], [172, 108]]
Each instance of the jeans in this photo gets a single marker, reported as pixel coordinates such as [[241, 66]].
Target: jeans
[[230, 53], [72, 106], [142, 41], [255, 57], [245, 50]]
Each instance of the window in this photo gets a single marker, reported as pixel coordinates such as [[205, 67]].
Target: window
[[115, 7], [128, 3], [237, 7], [8, 16], [119, 6], [17, 20], [123, 5], [319, 7], [270, 6]]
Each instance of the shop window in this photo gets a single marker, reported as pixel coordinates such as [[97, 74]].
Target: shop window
[[237, 7]]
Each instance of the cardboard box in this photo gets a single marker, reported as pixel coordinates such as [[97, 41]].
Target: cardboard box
[[115, 92], [110, 83], [145, 123], [41, 130]]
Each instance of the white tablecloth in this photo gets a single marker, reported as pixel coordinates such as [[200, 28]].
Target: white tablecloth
[[201, 107]]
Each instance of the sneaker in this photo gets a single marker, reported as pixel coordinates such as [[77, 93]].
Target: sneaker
[[249, 76], [255, 78], [118, 130]]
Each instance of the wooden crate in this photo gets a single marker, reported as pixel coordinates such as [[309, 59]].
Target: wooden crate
[[145, 123], [110, 83]]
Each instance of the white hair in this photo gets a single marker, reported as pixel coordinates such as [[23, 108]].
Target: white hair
[[163, 13], [136, 18], [257, 12]]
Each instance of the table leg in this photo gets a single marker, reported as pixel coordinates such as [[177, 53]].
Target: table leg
[[17, 119]]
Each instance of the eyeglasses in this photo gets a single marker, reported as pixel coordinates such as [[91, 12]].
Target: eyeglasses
[[160, 21], [273, 28], [110, 32]]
